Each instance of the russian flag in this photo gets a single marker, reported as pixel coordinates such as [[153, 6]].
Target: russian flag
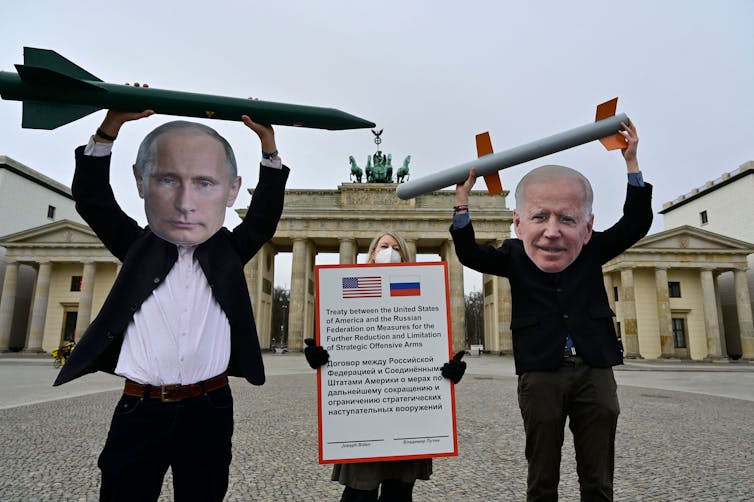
[[406, 285]]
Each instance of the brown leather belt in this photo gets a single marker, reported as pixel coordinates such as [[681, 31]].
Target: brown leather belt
[[175, 392]]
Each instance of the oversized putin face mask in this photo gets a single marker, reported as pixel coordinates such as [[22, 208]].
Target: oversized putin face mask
[[188, 189]]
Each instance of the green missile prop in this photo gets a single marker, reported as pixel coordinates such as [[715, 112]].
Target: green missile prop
[[55, 91]]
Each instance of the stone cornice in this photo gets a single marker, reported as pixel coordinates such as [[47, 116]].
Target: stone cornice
[[36, 177], [743, 170]]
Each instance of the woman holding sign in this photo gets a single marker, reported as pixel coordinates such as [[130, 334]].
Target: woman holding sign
[[391, 481]]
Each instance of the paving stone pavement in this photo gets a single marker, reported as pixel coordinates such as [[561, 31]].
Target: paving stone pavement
[[672, 446]]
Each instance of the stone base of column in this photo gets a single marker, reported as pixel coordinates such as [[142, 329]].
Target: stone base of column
[[716, 359], [747, 347], [33, 350], [631, 347], [666, 346]]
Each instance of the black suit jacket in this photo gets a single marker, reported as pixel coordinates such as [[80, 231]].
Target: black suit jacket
[[547, 307], [147, 259]]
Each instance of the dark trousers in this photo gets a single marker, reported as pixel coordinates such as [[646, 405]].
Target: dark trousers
[[192, 436], [391, 490], [588, 397]]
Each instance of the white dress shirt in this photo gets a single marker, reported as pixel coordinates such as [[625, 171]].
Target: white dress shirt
[[180, 334]]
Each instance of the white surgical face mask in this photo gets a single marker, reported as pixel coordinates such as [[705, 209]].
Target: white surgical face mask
[[387, 255]]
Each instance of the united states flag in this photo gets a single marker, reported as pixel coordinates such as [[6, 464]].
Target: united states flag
[[369, 286]]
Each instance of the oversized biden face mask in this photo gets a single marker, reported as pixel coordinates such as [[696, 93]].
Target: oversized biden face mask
[[387, 255]]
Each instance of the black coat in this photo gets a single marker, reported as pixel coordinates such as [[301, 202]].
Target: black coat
[[147, 260], [547, 307]]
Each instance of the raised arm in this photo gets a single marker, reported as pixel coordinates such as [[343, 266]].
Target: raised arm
[[463, 190], [632, 144], [266, 135]]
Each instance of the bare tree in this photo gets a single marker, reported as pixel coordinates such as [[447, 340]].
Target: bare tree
[[280, 301], [474, 303]]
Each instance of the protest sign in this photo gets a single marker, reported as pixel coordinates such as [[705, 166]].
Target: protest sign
[[387, 330]]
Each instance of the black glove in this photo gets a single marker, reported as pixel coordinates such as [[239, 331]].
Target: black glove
[[316, 355], [455, 368]]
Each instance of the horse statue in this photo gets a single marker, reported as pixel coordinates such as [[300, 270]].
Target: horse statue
[[402, 174], [355, 170], [369, 169]]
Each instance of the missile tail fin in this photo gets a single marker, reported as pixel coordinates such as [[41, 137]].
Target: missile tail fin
[[49, 115], [45, 58], [605, 110], [484, 147], [53, 79]]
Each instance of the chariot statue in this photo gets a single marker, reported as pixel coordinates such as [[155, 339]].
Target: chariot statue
[[379, 167]]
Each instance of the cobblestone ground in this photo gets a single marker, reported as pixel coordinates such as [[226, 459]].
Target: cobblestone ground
[[672, 446]]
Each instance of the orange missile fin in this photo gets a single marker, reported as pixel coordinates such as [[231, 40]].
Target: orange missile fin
[[484, 147], [605, 110]]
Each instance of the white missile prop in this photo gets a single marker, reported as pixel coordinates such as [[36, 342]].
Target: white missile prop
[[604, 129]]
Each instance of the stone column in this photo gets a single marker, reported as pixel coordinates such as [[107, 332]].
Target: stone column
[[39, 309], [251, 274], [743, 308], [411, 251], [8, 303], [259, 274], [347, 250], [84, 315], [298, 298], [505, 315], [457, 300], [628, 305], [607, 280], [664, 318], [711, 321], [491, 309], [497, 314], [719, 306]]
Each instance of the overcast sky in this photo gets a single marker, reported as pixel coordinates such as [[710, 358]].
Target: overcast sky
[[433, 74]]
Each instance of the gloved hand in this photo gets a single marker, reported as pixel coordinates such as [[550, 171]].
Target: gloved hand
[[316, 355], [455, 368]]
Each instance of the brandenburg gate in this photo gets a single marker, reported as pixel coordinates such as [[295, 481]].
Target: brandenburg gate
[[345, 220]]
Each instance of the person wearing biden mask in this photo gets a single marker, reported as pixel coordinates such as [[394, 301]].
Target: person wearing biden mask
[[564, 341], [386, 481], [178, 319]]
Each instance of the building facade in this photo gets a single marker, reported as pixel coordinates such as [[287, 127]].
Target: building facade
[[724, 206], [75, 271], [28, 199], [667, 300], [667, 291]]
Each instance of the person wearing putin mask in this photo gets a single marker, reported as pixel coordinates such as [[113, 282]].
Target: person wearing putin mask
[[178, 320]]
